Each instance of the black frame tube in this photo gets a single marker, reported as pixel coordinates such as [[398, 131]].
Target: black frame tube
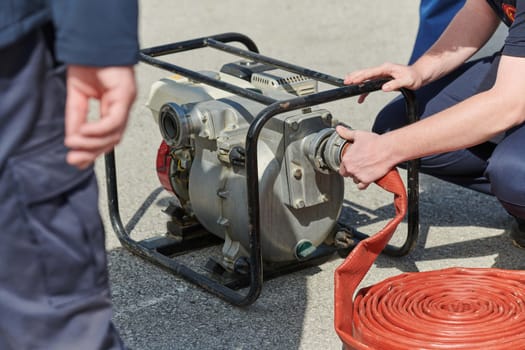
[[273, 108], [325, 78]]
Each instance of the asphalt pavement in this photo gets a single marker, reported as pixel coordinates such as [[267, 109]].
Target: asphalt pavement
[[157, 310]]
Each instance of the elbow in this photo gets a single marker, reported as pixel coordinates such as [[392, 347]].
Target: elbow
[[514, 114], [509, 106]]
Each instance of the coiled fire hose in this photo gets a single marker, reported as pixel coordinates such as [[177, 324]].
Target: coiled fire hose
[[455, 308]]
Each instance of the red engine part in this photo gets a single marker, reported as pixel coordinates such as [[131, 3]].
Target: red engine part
[[164, 160]]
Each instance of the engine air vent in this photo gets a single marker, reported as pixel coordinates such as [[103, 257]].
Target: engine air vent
[[282, 80]]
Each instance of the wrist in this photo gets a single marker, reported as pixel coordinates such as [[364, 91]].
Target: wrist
[[423, 70], [394, 151]]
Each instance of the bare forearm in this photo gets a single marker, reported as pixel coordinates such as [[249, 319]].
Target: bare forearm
[[469, 123], [462, 39]]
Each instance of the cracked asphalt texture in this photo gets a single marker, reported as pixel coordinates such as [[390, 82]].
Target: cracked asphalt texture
[[157, 310]]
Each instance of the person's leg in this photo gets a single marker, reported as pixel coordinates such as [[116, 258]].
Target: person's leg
[[506, 172], [463, 167], [54, 291]]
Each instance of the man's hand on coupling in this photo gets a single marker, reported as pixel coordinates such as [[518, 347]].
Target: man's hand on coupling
[[115, 89], [367, 159]]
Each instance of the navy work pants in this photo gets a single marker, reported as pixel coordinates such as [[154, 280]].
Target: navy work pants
[[496, 168], [54, 291]]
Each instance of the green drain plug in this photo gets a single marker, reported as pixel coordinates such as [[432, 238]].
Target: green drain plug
[[303, 249]]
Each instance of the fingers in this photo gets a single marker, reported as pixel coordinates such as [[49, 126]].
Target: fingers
[[82, 159], [84, 149], [385, 70], [396, 84], [351, 166], [363, 75], [362, 186], [345, 133], [359, 184], [362, 98], [76, 110], [97, 137], [115, 87], [402, 77]]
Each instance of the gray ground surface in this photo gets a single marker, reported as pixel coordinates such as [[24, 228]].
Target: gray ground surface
[[155, 310]]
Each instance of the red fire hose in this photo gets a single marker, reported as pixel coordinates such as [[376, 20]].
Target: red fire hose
[[455, 308]]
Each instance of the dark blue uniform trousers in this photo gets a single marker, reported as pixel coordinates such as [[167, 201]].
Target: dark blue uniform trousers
[[496, 168], [54, 290]]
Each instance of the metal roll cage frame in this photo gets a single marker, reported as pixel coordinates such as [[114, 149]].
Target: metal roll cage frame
[[273, 108]]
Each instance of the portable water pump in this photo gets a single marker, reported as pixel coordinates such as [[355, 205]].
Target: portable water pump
[[252, 159], [202, 161]]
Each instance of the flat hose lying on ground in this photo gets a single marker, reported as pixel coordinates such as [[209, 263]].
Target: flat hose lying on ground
[[455, 308]]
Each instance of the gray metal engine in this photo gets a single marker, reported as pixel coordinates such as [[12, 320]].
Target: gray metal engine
[[204, 131]]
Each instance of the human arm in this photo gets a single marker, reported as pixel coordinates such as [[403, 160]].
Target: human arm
[[468, 123], [462, 38], [99, 61]]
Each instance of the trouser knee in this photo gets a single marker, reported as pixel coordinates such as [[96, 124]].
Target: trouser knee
[[392, 116], [507, 178]]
